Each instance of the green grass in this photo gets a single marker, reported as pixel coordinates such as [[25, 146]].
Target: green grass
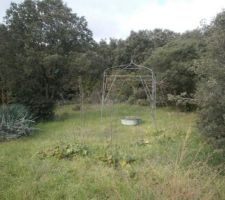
[[172, 162]]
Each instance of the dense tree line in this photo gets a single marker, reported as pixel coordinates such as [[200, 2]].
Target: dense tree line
[[45, 48], [39, 38], [211, 90]]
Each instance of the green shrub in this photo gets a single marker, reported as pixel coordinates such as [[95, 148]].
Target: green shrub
[[131, 100], [15, 121], [41, 108], [183, 102], [211, 90], [142, 102], [140, 93], [212, 110]]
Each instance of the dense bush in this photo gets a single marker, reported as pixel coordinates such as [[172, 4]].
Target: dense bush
[[211, 91], [15, 121], [42, 108], [174, 65], [212, 113], [143, 102], [183, 101], [131, 100]]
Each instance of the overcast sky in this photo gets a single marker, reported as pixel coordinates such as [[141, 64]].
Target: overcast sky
[[116, 18]]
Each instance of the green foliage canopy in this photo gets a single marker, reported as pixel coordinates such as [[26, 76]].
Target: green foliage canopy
[[42, 36], [211, 90]]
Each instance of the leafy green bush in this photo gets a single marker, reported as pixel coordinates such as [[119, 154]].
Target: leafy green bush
[[174, 65], [211, 90], [183, 101], [212, 108], [142, 102], [140, 93], [15, 121], [131, 100], [42, 108]]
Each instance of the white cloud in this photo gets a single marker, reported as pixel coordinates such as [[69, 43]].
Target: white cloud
[[116, 18], [175, 15]]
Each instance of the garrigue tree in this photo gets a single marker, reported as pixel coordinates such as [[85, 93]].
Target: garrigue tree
[[140, 45], [211, 90], [4, 66], [43, 34], [174, 64]]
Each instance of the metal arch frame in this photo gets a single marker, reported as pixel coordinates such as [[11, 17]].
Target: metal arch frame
[[150, 91]]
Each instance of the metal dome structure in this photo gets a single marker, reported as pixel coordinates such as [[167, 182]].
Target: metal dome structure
[[133, 72]]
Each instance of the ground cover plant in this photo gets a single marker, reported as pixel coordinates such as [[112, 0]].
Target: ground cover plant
[[78, 156]]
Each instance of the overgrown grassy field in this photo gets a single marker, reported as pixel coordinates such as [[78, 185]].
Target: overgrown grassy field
[[79, 156]]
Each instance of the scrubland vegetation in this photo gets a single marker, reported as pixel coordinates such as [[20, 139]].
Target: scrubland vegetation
[[72, 158], [51, 72]]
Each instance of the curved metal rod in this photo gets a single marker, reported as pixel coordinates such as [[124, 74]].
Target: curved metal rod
[[125, 67]]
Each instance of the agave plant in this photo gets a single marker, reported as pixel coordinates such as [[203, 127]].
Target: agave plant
[[15, 121]]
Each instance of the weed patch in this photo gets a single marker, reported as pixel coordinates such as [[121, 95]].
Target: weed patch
[[65, 151]]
